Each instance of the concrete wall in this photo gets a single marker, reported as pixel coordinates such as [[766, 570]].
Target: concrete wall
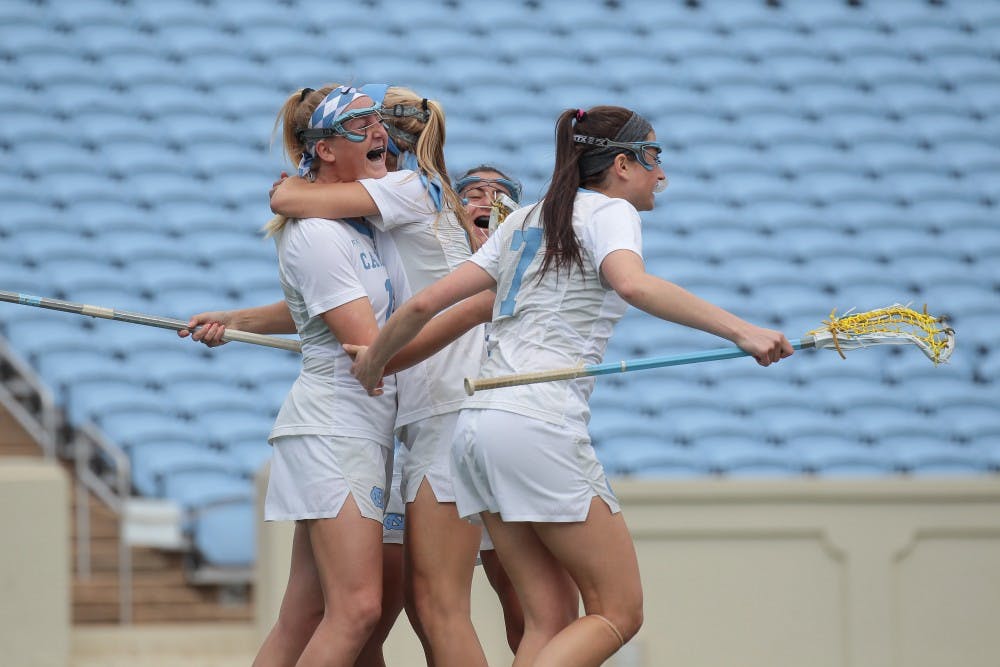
[[794, 572], [34, 563]]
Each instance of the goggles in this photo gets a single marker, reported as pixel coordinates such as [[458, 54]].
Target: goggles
[[467, 186], [357, 133], [640, 149]]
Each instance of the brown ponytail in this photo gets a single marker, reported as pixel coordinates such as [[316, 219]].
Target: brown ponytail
[[562, 247]]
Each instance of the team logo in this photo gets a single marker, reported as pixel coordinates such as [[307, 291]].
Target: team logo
[[393, 521], [378, 497]]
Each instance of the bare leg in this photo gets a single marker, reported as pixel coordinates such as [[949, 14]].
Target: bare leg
[[547, 594], [600, 556], [440, 556], [301, 608], [392, 604], [513, 616], [348, 554]]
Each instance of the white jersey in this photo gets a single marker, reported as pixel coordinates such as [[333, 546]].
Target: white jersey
[[562, 321], [430, 246], [323, 264]]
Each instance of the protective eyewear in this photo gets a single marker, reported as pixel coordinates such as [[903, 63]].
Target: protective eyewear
[[644, 151], [360, 121], [476, 187]]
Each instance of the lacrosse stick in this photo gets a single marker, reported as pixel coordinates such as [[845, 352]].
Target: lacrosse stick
[[895, 325], [147, 320], [501, 208]]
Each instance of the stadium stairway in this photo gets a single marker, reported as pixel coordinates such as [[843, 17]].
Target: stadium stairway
[[160, 591]]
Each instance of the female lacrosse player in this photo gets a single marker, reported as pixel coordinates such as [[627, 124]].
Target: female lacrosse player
[[330, 442], [424, 225], [479, 188], [564, 271]]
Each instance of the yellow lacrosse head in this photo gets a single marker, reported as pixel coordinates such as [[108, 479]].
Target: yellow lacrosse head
[[894, 325]]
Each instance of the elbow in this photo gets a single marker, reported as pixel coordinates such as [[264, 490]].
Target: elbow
[[282, 205], [421, 307], [631, 291]]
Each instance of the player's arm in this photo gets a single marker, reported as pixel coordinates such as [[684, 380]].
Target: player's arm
[[625, 271], [404, 325], [296, 197], [273, 318], [352, 322], [439, 332]]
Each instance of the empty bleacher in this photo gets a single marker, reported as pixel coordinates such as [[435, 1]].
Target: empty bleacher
[[821, 155]]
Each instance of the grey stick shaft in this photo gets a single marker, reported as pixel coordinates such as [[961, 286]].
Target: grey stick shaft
[[143, 319]]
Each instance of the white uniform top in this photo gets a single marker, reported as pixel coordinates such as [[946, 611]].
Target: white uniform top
[[430, 245], [323, 264], [562, 321]]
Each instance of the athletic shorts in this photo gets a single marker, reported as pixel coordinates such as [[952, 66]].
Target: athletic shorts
[[525, 469], [311, 476], [429, 443], [395, 510]]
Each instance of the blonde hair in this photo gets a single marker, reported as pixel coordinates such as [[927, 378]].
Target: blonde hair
[[429, 148], [294, 117]]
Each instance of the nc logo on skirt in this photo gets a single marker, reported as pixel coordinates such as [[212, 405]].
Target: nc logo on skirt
[[378, 497], [393, 521]]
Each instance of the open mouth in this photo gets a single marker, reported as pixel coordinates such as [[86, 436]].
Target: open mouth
[[376, 154], [482, 221]]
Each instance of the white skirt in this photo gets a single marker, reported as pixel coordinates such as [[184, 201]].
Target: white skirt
[[429, 456], [395, 510], [311, 476], [525, 469]]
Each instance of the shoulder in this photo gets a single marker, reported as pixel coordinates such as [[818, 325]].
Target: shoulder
[[597, 204]]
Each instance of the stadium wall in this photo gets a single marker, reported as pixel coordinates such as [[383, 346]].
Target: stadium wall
[[34, 563], [783, 572]]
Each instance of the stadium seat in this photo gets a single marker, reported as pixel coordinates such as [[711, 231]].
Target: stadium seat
[[641, 456], [835, 457], [130, 429], [740, 456], [155, 460], [198, 485], [249, 455], [224, 534]]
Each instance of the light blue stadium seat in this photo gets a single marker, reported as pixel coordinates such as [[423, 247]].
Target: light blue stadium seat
[[836, 457], [205, 396], [927, 455], [741, 456], [822, 96], [224, 534], [129, 429], [826, 16], [649, 457], [248, 456], [690, 424], [62, 368], [936, 39], [155, 460], [234, 415], [198, 486], [31, 335], [612, 424], [774, 40], [54, 67]]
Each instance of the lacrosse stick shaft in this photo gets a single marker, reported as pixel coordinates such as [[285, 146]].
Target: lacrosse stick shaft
[[145, 320], [473, 385]]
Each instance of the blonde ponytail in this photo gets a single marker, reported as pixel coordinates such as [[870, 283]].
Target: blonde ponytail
[[293, 117]]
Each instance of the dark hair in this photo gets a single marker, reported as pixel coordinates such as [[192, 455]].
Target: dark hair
[[562, 247]]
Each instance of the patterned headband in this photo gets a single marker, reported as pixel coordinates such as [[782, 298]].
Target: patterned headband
[[332, 106]]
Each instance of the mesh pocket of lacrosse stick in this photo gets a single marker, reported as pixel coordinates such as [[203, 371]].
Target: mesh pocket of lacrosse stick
[[893, 325]]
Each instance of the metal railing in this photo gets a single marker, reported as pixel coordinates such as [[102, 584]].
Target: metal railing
[[113, 487]]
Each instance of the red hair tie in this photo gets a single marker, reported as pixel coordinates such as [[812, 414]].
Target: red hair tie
[[581, 115]]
